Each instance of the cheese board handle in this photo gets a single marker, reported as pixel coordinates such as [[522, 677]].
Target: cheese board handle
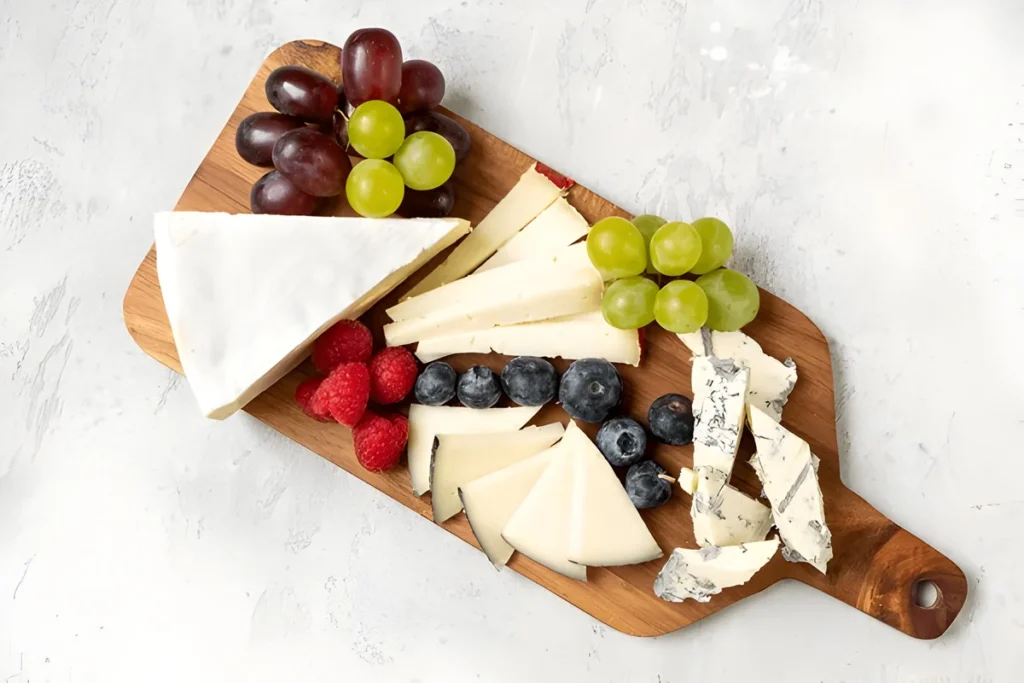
[[881, 568]]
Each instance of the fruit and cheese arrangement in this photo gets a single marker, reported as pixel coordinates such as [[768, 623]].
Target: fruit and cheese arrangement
[[538, 442]]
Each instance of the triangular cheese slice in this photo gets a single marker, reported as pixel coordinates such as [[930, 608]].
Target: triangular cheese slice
[[555, 228], [246, 295], [606, 529], [490, 502], [460, 458]]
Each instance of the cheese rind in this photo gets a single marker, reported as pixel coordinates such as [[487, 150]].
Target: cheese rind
[[426, 422], [533, 193], [733, 518], [583, 335], [555, 228], [459, 459], [491, 500], [788, 472], [700, 574], [242, 319]]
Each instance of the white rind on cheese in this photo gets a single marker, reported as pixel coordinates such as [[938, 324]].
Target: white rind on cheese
[[246, 295], [606, 529], [491, 500], [771, 380], [789, 474], [583, 335], [555, 228], [459, 459], [533, 193], [700, 574], [426, 422], [733, 517]]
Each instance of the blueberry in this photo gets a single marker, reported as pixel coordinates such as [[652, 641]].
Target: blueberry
[[645, 487], [479, 387], [590, 389], [670, 418], [436, 385], [529, 381], [622, 441]]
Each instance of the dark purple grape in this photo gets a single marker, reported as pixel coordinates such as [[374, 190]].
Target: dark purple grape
[[448, 128], [257, 134], [436, 203], [422, 86], [314, 162], [371, 66], [273, 193], [298, 91], [340, 131]]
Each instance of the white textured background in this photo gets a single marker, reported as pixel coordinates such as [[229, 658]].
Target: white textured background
[[868, 155]]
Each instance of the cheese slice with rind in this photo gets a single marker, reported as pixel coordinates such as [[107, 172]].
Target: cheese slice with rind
[[555, 228]]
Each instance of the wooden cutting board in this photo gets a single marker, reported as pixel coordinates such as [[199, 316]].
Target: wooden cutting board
[[877, 565]]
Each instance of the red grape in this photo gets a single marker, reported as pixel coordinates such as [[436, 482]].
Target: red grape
[[436, 203], [258, 133], [371, 66], [302, 92], [273, 193], [315, 163], [446, 127], [422, 86]]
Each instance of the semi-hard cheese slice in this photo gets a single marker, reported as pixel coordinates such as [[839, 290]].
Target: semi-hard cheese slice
[[491, 500], [246, 295], [540, 527], [734, 517], [771, 380], [606, 529], [532, 194], [555, 228], [788, 471], [699, 574], [584, 335], [426, 422], [461, 458]]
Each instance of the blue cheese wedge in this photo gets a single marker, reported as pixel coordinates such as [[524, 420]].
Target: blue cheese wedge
[[700, 574], [730, 518], [788, 472]]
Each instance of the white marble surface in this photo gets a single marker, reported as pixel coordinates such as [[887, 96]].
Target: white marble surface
[[868, 155]]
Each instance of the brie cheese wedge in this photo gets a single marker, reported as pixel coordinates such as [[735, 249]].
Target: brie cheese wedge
[[700, 574], [733, 517], [246, 295], [554, 229]]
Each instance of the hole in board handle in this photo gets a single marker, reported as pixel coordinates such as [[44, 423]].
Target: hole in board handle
[[926, 594]]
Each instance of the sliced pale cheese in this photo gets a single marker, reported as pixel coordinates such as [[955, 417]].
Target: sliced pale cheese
[[461, 458], [532, 194], [555, 228], [491, 500], [540, 527], [584, 335], [699, 574], [426, 422], [606, 528], [789, 474], [771, 380], [246, 295], [732, 517]]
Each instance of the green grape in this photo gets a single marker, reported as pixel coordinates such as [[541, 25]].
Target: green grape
[[629, 304], [426, 160], [681, 307], [675, 248], [716, 244], [648, 224], [616, 248], [376, 129], [374, 188], [733, 299]]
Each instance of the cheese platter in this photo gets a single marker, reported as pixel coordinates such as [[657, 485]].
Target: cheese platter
[[502, 282]]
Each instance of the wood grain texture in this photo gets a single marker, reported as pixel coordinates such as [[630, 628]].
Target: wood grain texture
[[877, 564]]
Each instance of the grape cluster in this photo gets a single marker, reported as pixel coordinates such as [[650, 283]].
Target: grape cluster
[[383, 113], [623, 251]]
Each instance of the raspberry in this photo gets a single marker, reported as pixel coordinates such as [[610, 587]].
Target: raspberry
[[379, 441], [304, 394], [347, 341], [343, 394], [392, 375]]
